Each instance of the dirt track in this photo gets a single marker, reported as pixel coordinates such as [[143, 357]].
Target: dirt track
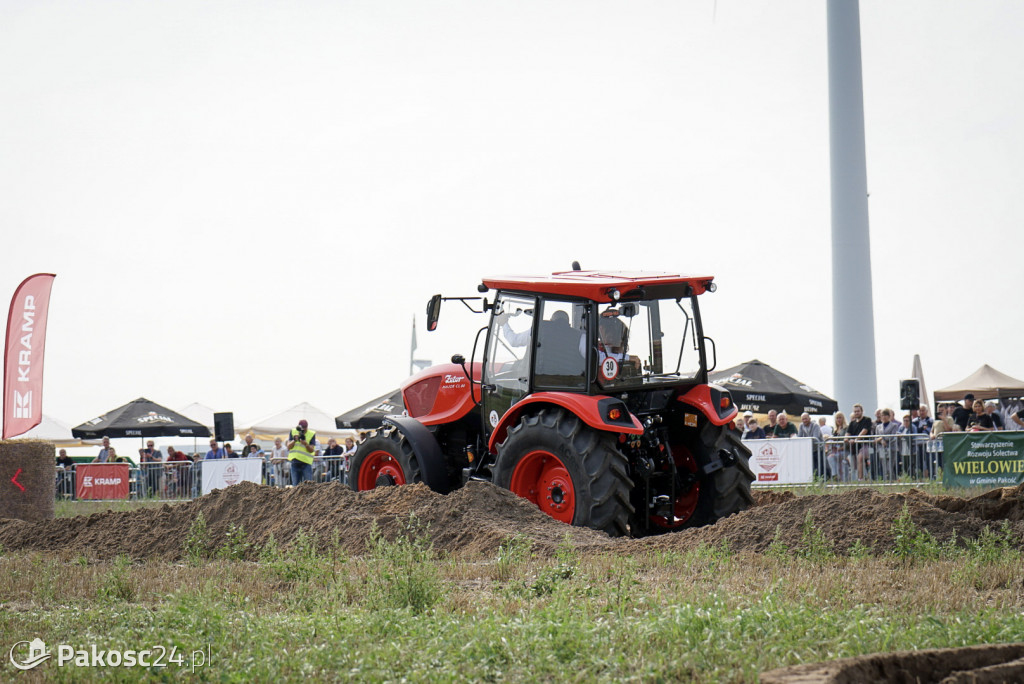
[[474, 520], [995, 664]]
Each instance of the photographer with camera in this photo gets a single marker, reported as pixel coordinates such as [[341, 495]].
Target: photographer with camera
[[301, 448]]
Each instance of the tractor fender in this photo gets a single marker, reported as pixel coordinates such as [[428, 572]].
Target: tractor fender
[[592, 410], [708, 400], [427, 450]]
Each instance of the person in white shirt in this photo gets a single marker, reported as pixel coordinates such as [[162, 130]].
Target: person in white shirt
[[279, 458]]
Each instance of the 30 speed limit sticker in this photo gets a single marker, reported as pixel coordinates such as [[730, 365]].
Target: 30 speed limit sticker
[[610, 368]]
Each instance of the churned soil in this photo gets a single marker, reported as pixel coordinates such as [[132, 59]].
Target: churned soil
[[860, 514], [993, 664], [473, 521]]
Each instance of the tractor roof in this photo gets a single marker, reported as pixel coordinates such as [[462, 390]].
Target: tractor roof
[[599, 285]]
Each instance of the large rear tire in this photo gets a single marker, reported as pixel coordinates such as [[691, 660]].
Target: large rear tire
[[570, 471], [719, 494], [731, 483], [383, 460]]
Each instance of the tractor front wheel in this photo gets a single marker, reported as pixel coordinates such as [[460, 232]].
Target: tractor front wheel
[[383, 460], [570, 471]]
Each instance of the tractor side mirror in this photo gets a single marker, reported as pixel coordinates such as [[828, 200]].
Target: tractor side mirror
[[433, 312]]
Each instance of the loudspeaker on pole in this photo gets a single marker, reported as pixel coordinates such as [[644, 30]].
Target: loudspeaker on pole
[[910, 394], [224, 426]]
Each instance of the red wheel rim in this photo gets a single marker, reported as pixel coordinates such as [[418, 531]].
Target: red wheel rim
[[379, 463], [542, 478], [686, 503]]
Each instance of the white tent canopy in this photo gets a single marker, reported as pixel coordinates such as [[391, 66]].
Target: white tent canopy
[[200, 413], [281, 424], [53, 430]]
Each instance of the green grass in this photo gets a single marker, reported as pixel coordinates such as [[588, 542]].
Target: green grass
[[402, 611]]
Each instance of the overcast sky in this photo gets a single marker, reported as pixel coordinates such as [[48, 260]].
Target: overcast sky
[[245, 203]]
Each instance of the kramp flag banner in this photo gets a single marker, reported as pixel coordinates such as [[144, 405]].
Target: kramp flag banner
[[23, 355]]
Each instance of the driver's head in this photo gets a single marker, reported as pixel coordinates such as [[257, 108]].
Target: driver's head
[[610, 329]]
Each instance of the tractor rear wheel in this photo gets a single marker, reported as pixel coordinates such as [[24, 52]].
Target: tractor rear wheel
[[572, 472], [383, 460], [718, 495]]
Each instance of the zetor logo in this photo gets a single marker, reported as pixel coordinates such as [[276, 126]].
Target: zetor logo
[[452, 379], [89, 481]]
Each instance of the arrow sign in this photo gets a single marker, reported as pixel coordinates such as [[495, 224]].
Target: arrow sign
[[15, 480]]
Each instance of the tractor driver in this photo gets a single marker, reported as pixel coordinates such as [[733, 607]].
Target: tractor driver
[[560, 347], [611, 338], [611, 343]]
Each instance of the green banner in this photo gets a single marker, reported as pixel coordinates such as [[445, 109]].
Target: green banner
[[982, 459]]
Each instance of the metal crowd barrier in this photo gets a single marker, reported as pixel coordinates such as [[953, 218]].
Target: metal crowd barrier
[[878, 458], [182, 480], [325, 469]]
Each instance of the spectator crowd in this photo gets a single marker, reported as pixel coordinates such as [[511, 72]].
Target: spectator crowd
[[884, 448], [177, 474]]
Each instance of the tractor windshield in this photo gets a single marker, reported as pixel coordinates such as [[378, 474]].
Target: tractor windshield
[[647, 342]]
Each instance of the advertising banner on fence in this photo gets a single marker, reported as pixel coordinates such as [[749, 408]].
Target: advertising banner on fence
[[781, 461], [983, 459], [102, 480], [23, 355], [224, 472]]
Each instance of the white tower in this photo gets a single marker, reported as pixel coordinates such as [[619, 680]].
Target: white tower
[[853, 320]]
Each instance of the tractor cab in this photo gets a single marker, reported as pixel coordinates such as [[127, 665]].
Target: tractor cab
[[538, 343]]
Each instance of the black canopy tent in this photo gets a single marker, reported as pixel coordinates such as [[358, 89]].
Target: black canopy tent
[[140, 418], [370, 415], [757, 387]]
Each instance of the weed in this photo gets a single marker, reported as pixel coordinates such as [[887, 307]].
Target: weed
[[270, 551], [777, 549], [403, 572], [236, 544], [566, 564], [992, 547], [513, 554], [859, 550], [910, 542], [299, 562], [117, 584], [814, 545], [197, 544]]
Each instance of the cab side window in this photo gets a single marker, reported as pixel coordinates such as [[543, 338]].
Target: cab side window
[[560, 362]]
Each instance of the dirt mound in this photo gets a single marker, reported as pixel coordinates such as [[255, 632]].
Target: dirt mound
[[999, 504], [861, 514], [471, 521], [768, 497], [975, 664], [474, 520]]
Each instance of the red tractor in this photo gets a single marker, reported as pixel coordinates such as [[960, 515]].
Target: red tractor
[[591, 399]]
